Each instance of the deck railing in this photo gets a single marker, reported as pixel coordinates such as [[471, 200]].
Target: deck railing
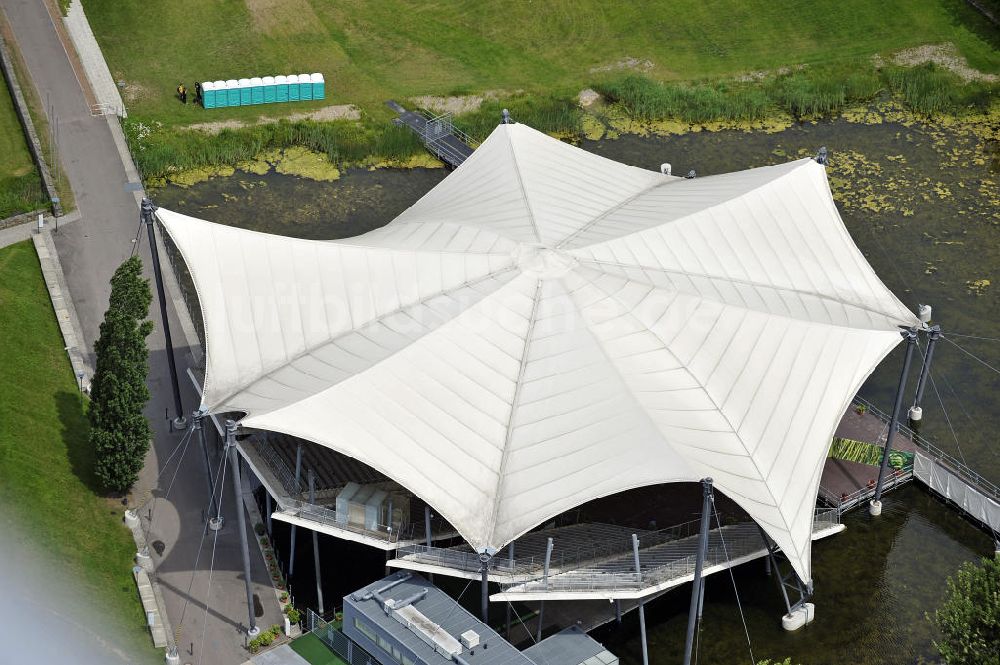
[[953, 464]]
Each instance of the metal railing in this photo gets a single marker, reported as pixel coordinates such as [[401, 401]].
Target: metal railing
[[953, 464], [662, 562], [336, 641], [267, 452], [563, 558], [851, 500], [389, 533]]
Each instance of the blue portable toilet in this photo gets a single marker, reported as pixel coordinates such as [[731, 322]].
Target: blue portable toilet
[[221, 98], [268, 89], [256, 90], [233, 92], [208, 94], [305, 87], [318, 86], [246, 94], [281, 88], [293, 88]]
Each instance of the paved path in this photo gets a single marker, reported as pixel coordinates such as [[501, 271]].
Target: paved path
[[89, 251]]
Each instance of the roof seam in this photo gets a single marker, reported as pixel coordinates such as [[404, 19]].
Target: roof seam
[[520, 185], [595, 263], [505, 454], [618, 206], [802, 162]]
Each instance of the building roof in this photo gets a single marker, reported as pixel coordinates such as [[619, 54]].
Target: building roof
[[546, 327], [441, 609], [570, 646]]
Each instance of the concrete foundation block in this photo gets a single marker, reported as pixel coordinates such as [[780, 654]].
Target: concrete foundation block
[[798, 617], [875, 508]]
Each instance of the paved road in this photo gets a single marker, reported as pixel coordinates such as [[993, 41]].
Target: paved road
[[90, 250]]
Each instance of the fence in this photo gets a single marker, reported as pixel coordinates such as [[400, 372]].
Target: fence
[[336, 641]]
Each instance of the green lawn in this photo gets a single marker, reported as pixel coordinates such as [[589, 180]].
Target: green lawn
[[373, 51], [20, 187], [46, 465], [312, 649]]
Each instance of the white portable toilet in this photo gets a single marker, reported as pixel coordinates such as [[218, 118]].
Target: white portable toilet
[[268, 89], [246, 92], [208, 94], [305, 87], [293, 88], [318, 86], [281, 88], [256, 90], [233, 92]]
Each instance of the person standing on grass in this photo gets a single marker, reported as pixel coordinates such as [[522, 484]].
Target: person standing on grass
[[197, 92], [182, 93]]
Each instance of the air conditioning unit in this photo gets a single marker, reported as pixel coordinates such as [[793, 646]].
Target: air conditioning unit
[[470, 639]]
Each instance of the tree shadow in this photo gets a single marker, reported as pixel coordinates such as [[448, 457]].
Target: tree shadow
[[75, 430]]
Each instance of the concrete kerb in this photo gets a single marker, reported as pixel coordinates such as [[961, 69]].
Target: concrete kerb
[[92, 58], [34, 145], [62, 304], [134, 525]]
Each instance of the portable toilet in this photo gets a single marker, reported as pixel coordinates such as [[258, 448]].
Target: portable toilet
[[318, 86], [293, 88], [233, 92], [281, 88], [268, 89], [256, 90], [246, 92], [208, 94], [305, 87], [221, 98]]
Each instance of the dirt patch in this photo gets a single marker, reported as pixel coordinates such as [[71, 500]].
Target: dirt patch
[[944, 55], [635, 64], [133, 92], [336, 112], [457, 105], [283, 18], [760, 75]]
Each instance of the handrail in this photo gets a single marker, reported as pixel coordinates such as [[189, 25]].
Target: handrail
[[957, 466]]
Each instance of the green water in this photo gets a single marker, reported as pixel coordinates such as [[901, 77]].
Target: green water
[[922, 205]]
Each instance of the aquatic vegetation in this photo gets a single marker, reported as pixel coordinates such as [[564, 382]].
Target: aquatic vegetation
[[305, 163]]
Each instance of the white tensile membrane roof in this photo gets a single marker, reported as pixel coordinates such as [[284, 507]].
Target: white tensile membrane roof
[[546, 327]]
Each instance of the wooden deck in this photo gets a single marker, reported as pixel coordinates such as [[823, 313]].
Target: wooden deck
[[843, 478]]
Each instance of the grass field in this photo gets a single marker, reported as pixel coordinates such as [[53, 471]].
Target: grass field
[[313, 650], [373, 51], [20, 187], [46, 464]]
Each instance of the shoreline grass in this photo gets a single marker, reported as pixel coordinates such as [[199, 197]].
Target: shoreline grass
[[926, 90], [20, 186], [46, 463]]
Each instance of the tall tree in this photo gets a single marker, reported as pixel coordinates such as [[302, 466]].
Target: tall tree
[[120, 431]]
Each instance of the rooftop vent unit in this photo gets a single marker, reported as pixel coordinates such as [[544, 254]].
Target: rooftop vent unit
[[470, 639], [431, 633]]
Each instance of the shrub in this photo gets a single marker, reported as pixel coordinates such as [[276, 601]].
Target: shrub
[[294, 616], [284, 596], [258, 529], [969, 618]]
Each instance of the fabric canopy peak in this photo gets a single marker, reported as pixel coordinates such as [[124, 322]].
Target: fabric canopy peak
[[547, 326]]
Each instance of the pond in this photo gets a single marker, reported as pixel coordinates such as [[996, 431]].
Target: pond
[[922, 203]]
